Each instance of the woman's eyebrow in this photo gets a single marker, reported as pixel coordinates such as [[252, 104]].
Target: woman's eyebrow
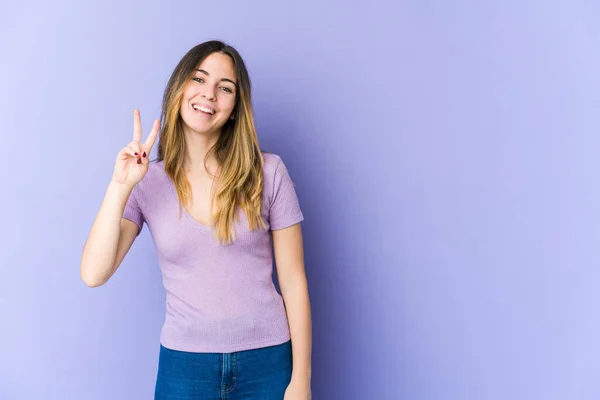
[[222, 79]]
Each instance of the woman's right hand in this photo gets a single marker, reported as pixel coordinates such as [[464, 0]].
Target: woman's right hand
[[132, 161]]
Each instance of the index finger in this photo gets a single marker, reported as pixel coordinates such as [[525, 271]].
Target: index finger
[[152, 137], [137, 126]]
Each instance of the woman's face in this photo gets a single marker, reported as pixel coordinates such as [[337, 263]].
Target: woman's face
[[209, 97]]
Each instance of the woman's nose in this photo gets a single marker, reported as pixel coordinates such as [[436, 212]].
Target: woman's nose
[[208, 93]]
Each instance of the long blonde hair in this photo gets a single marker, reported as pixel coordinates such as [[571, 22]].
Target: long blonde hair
[[237, 151]]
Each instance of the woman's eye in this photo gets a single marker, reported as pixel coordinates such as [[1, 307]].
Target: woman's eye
[[200, 80]]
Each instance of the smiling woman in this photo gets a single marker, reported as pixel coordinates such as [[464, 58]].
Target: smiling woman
[[218, 209], [209, 91]]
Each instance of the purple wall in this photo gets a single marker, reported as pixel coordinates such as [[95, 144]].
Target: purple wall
[[445, 156]]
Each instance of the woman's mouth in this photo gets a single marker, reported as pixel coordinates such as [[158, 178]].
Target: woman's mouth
[[203, 110]]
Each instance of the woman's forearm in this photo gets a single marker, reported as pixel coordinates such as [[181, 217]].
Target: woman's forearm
[[297, 305], [99, 251]]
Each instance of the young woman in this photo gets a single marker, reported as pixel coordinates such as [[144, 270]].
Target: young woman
[[214, 204]]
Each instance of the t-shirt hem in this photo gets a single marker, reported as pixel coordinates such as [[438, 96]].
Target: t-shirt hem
[[128, 214], [287, 224], [226, 349]]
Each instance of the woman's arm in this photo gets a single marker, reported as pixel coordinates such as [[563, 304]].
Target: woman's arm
[[112, 235], [110, 238], [289, 259]]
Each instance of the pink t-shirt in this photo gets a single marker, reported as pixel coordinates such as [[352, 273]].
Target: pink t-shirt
[[219, 298]]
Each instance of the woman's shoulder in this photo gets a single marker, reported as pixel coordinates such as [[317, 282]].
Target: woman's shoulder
[[155, 176], [155, 168], [271, 160], [274, 169]]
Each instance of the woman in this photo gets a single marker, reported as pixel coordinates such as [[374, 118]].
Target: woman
[[215, 204]]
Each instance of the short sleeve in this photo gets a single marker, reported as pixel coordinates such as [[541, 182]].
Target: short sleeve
[[132, 209], [284, 209]]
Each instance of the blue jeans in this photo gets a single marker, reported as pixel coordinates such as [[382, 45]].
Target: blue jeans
[[262, 373]]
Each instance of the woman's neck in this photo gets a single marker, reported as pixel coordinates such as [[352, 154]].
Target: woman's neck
[[197, 146]]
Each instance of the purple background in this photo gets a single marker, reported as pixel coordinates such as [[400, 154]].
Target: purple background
[[446, 160]]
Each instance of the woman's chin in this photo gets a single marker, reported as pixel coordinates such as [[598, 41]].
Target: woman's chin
[[202, 129]]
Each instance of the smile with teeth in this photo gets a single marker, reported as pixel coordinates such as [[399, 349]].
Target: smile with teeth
[[203, 109]]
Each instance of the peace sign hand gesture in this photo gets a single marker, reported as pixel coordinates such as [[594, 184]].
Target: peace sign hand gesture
[[132, 161]]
